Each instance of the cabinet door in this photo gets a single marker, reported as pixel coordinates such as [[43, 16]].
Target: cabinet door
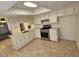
[[27, 37], [37, 33], [77, 10], [30, 34], [69, 11], [53, 35], [20, 41], [44, 16], [53, 18], [60, 13], [67, 27], [37, 20], [16, 43]]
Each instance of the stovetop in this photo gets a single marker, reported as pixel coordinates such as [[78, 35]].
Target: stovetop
[[46, 27]]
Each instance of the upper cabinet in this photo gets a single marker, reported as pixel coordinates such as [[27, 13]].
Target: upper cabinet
[[69, 11], [60, 13], [77, 10], [53, 17], [37, 19], [44, 16], [65, 12]]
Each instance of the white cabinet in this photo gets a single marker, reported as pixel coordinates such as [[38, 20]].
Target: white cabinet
[[21, 39], [60, 13], [16, 42], [31, 34], [53, 34], [37, 33], [52, 18], [78, 10], [37, 19], [65, 12], [69, 11], [75, 10], [44, 16]]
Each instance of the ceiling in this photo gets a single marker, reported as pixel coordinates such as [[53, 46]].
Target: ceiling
[[5, 5], [43, 6], [20, 4], [56, 5]]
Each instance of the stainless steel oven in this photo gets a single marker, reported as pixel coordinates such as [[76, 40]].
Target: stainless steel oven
[[45, 32]]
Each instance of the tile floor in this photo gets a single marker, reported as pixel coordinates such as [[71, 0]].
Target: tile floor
[[40, 48]]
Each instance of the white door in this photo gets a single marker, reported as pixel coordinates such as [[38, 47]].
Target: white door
[[67, 27]]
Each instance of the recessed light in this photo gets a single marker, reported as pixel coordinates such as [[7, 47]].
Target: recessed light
[[30, 4]]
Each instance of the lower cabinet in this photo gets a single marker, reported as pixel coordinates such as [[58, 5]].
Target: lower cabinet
[[21, 39], [53, 34], [37, 33], [16, 43], [31, 34]]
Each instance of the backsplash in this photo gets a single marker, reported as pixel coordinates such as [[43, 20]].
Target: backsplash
[[14, 23]]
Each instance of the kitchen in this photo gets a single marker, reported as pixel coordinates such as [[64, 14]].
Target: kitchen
[[51, 27]]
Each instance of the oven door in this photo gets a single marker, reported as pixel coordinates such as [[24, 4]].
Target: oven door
[[44, 34]]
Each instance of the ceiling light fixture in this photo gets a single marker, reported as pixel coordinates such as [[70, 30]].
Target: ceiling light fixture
[[30, 4]]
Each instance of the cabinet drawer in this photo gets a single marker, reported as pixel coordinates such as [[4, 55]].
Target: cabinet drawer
[[37, 33], [53, 35]]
